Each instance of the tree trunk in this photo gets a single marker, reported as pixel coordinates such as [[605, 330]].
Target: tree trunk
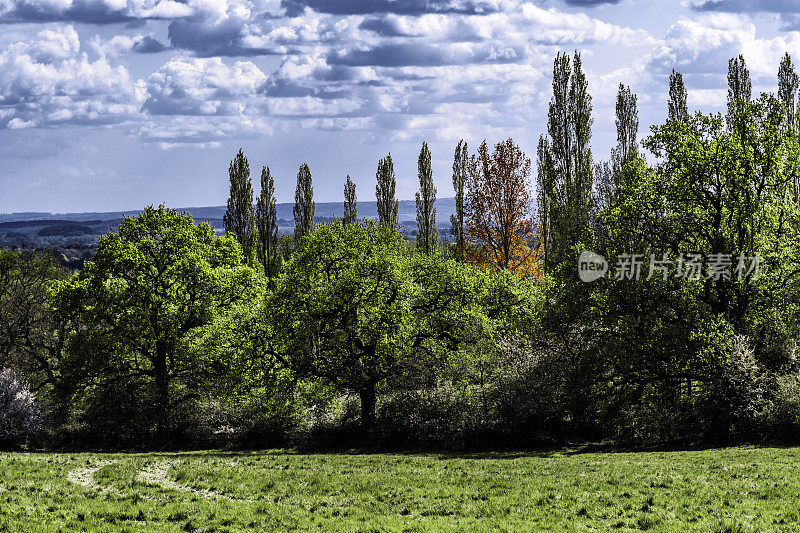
[[368, 401], [162, 393]]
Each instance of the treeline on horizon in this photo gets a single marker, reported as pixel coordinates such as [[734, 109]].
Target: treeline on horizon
[[345, 334]]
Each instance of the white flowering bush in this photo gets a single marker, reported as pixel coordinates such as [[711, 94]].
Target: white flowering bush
[[21, 415]]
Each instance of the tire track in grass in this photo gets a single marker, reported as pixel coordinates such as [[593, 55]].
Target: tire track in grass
[[85, 476], [156, 474]]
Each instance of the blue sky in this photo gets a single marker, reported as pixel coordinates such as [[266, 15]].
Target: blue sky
[[115, 104]]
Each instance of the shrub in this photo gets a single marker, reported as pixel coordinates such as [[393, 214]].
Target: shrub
[[21, 416]]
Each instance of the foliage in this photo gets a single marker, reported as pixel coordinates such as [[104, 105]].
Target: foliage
[[239, 219], [350, 202], [427, 235], [304, 206], [32, 338], [267, 227], [388, 205], [460, 172], [21, 416], [149, 285], [498, 209]]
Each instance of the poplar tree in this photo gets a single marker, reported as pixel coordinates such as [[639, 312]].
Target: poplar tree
[[303, 204], [787, 89], [350, 202], [627, 123], [427, 234], [460, 172], [566, 158], [388, 206], [739, 89], [677, 109], [267, 226], [239, 219]]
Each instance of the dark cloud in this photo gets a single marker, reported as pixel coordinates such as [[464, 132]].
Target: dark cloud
[[278, 88], [746, 6], [382, 26], [205, 40], [148, 45], [590, 3], [420, 55], [403, 7], [89, 12]]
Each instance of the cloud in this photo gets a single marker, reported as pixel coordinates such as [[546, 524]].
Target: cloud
[[47, 81], [120, 45], [91, 11], [408, 7], [202, 87]]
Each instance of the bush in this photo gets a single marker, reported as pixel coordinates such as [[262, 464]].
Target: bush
[[21, 416]]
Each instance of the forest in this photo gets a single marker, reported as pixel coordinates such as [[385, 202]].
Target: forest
[[346, 334]]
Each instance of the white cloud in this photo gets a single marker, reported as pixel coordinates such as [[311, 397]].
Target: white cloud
[[48, 81]]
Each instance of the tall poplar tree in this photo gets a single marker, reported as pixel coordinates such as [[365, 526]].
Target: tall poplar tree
[[239, 219], [676, 107], [267, 226], [566, 158], [388, 206], [350, 202], [627, 123], [739, 88], [427, 234], [304, 206], [460, 172], [787, 89]]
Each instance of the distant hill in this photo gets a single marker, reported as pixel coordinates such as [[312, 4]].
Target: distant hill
[[75, 234], [213, 214]]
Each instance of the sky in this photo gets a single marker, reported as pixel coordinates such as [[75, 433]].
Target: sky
[[116, 104]]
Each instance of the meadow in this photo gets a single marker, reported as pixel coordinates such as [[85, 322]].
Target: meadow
[[733, 489]]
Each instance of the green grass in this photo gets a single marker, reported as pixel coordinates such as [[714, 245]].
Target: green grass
[[734, 489]]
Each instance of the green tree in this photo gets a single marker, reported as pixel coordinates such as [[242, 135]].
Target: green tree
[[304, 206], [566, 158], [677, 109], [788, 84], [341, 310], [32, 337], [267, 226], [739, 89], [460, 173], [388, 205], [350, 202], [149, 285], [427, 234], [239, 219]]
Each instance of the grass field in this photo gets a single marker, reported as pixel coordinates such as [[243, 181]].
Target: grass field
[[734, 489]]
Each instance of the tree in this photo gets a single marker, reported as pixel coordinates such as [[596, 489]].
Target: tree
[[427, 234], [350, 202], [788, 83], [150, 284], [239, 218], [267, 226], [677, 109], [32, 337], [342, 308], [304, 206], [498, 208], [627, 123], [460, 173], [609, 178], [566, 157], [388, 206], [739, 88], [356, 310]]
